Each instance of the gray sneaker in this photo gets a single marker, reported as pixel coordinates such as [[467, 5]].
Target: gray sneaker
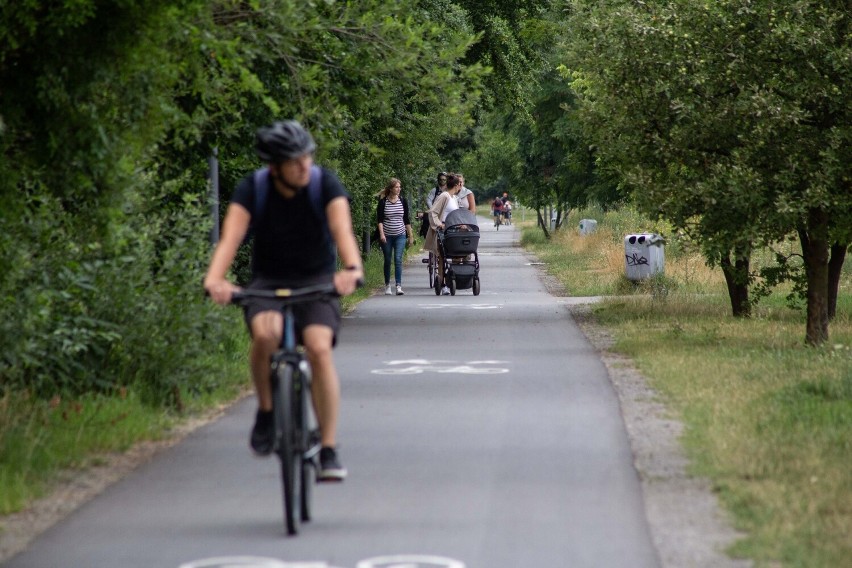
[[399, 291], [330, 468], [445, 291], [388, 291]]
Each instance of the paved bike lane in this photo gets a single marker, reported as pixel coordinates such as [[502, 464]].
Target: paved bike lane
[[478, 431]]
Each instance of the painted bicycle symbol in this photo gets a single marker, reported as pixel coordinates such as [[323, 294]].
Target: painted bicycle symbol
[[250, 562], [420, 366], [398, 561], [404, 561]]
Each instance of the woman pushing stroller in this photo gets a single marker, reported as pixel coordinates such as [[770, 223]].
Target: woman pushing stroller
[[444, 204]]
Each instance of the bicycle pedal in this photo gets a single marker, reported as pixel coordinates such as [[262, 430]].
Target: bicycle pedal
[[424, 260]]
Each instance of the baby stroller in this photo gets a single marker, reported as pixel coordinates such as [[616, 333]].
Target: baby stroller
[[457, 243]]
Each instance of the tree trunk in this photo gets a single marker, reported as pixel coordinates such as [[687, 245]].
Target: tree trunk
[[542, 224], [736, 277], [835, 267], [815, 245]]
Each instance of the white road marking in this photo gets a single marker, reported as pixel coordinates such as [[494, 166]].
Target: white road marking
[[403, 561], [397, 561], [420, 366], [250, 562], [460, 306], [435, 361]]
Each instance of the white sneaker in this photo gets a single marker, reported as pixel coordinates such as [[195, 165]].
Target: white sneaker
[[399, 291], [445, 291], [388, 291]]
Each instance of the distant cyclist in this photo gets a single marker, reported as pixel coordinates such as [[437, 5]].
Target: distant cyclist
[[293, 247], [497, 210]]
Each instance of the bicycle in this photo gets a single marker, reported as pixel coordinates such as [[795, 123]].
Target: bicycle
[[498, 220], [297, 437]]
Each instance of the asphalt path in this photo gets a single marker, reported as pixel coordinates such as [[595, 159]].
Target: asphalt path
[[479, 432]]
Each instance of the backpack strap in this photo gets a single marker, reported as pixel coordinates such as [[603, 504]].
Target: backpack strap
[[261, 190], [315, 195]]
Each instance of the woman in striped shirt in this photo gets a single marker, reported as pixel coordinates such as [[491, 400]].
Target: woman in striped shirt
[[394, 229]]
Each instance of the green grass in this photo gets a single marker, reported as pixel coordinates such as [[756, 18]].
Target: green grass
[[767, 419], [40, 439]]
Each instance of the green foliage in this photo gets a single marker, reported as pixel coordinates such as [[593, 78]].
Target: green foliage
[[508, 46], [532, 144], [108, 114]]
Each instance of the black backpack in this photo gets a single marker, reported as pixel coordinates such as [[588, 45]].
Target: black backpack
[[261, 188]]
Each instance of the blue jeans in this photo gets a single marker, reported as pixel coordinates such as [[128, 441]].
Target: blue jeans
[[397, 245]]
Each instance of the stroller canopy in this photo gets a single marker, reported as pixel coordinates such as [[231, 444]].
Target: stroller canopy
[[461, 217]]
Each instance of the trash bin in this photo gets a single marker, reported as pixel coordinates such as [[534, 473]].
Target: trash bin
[[644, 255], [588, 226]]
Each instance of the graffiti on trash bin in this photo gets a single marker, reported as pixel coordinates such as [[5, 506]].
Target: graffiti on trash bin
[[635, 260]]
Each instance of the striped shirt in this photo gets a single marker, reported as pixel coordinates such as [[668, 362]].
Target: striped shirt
[[392, 223]]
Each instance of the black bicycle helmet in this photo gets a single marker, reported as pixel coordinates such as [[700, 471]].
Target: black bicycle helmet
[[283, 141], [442, 175]]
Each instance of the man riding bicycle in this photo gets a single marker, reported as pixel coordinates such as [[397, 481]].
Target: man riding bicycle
[[293, 247], [497, 210]]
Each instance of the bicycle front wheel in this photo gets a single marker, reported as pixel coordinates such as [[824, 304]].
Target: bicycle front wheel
[[308, 442], [286, 405]]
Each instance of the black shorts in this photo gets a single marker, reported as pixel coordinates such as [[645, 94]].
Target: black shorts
[[325, 311]]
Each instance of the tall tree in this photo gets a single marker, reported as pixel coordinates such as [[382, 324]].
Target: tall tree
[[538, 148], [731, 119]]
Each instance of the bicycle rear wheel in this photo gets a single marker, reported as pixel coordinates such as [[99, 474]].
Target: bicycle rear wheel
[[285, 403]]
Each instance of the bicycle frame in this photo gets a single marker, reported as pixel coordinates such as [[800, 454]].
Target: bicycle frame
[[297, 441]]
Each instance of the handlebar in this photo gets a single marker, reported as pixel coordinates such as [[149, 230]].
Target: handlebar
[[291, 295], [295, 294]]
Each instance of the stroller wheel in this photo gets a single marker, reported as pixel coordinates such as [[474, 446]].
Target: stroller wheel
[[476, 285], [437, 286], [452, 284]]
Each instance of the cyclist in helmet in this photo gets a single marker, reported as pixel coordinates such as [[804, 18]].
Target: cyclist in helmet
[[291, 248]]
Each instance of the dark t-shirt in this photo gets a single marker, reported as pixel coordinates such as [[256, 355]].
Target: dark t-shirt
[[291, 245]]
